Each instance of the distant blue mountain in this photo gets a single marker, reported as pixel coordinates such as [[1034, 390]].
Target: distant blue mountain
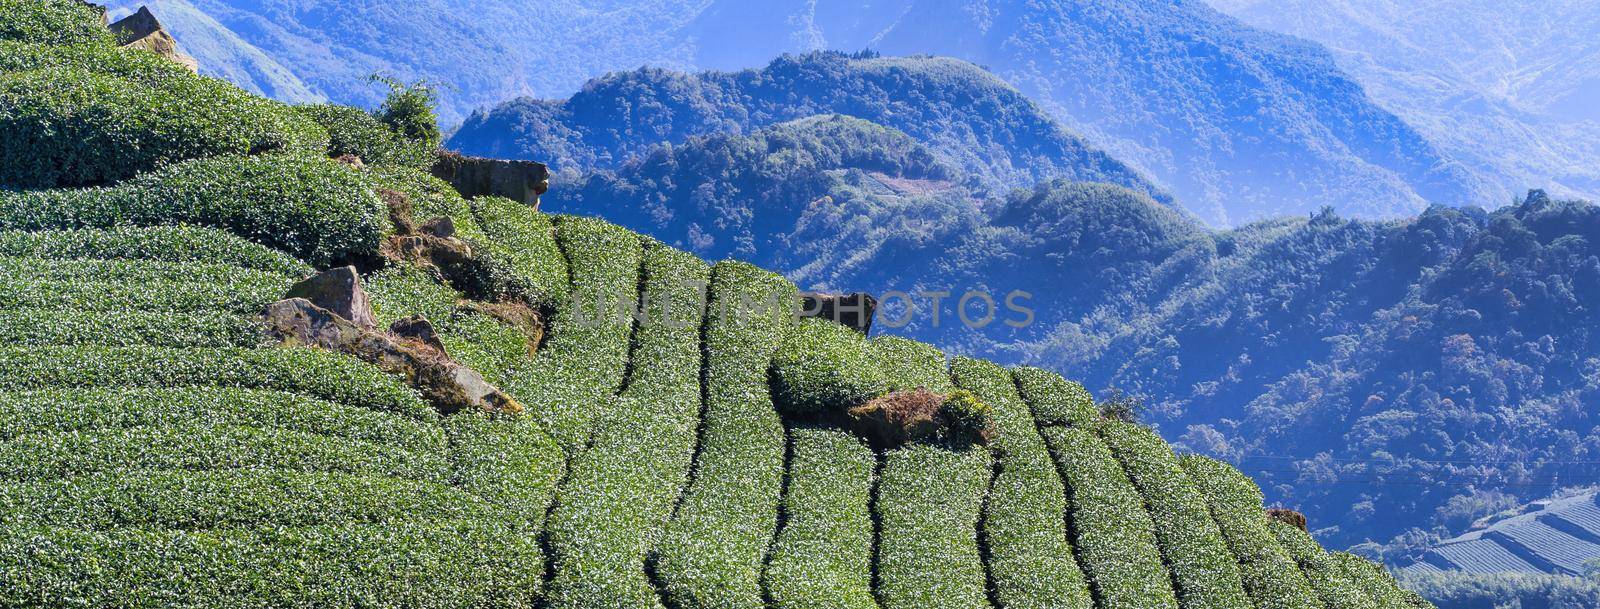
[[1237, 124]]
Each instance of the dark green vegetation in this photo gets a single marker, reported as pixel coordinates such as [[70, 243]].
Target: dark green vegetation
[[661, 452], [969, 118]]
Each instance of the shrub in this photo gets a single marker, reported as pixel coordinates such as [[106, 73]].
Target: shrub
[[585, 355], [1203, 569], [929, 499], [712, 550], [134, 271], [40, 327], [404, 289], [354, 131], [409, 111], [316, 209], [1331, 583], [207, 500], [824, 367], [621, 490], [53, 22], [113, 297], [1113, 533], [483, 343], [1055, 400], [968, 419], [822, 558], [61, 410], [177, 244], [72, 126], [908, 364], [70, 453], [1376, 583], [1270, 576], [1030, 559], [420, 565], [523, 242], [316, 373]]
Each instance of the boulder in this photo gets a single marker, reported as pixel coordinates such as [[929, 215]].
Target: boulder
[[442, 227], [851, 310], [338, 290], [141, 30], [419, 329], [898, 418], [1289, 517], [449, 386], [522, 181]]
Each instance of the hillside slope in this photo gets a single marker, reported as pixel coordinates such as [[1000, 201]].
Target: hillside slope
[[162, 447], [972, 120]]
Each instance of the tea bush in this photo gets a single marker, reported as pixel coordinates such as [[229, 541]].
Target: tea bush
[[53, 22], [164, 296], [1055, 400], [355, 131], [40, 327], [929, 502], [523, 242], [823, 366], [822, 558], [1337, 590], [1271, 577], [175, 244]]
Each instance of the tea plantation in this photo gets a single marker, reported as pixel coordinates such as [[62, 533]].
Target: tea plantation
[[158, 448]]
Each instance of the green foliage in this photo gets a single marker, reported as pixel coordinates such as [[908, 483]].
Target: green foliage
[[1055, 400], [581, 366], [66, 125], [523, 242], [418, 564], [824, 367], [134, 271], [969, 420], [1489, 591], [55, 455], [1203, 569], [313, 372], [430, 198], [178, 244], [1111, 530], [910, 365], [1337, 590], [403, 289], [214, 499], [409, 111], [354, 131], [53, 22], [1270, 575], [39, 327], [316, 209], [1377, 583], [929, 502], [58, 411], [509, 462], [822, 558], [483, 343], [1030, 558], [713, 548], [621, 491], [158, 295]]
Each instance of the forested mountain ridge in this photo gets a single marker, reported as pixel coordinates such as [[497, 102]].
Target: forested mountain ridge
[[998, 138]]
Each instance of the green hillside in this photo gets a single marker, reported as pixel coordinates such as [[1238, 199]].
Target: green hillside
[[160, 448]]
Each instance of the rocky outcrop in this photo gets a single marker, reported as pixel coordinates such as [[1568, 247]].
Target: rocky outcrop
[[412, 351], [852, 310], [142, 30], [522, 181], [1289, 517], [338, 290], [901, 417]]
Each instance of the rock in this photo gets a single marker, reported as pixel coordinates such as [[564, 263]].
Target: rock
[[448, 385], [417, 328], [400, 211], [141, 30], [473, 177], [453, 259], [353, 161], [852, 310], [899, 417], [442, 227], [338, 290], [1289, 517]]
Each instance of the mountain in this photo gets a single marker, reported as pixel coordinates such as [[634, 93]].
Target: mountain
[[966, 116], [223, 53], [247, 371], [1238, 124], [1504, 87]]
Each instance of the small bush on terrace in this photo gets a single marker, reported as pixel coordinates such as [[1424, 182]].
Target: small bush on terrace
[[53, 22], [356, 132], [157, 243], [316, 209], [1055, 400], [1270, 575], [70, 126], [1337, 590], [823, 367]]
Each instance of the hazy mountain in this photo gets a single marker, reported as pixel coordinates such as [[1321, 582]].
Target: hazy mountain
[[1506, 87], [1235, 122], [223, 53], [997, 138]]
